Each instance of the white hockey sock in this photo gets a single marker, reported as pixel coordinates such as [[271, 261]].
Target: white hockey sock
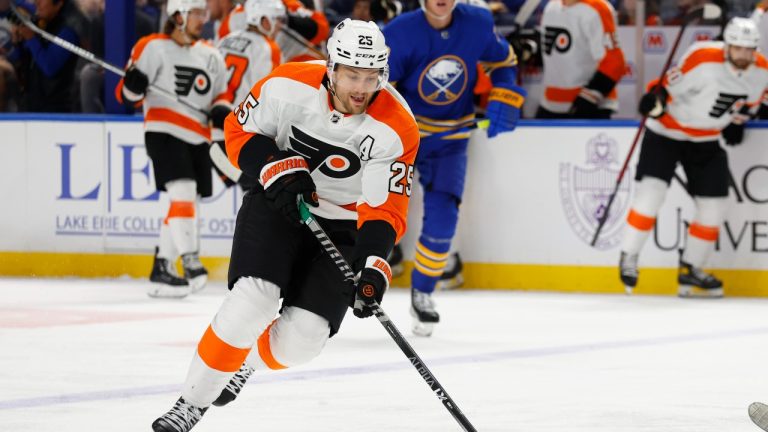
[[246, 311], [167, 248], [649, 196], [295, 338], [704, 230], [182, 217]]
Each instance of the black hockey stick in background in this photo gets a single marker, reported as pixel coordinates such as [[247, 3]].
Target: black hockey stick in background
[[478, 123], [707, 12], [414, 358], [87, 55]]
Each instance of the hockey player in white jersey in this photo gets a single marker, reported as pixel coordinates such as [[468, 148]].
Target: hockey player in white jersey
[[707, 98], [176, 135], [582, 60], [340, 137]]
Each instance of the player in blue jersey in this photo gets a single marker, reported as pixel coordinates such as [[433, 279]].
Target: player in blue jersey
[[433, 63]]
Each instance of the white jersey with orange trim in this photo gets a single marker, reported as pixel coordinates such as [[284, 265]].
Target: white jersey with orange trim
[[234, 21], [706, 93], [195, 73], [578, 40], [249, 57], [362, 165]]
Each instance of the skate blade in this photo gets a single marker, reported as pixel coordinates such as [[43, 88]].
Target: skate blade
[[758, 412], [422, 329], [198, 283], [449, 284], [160, 290], [628, 289], [690, 291]]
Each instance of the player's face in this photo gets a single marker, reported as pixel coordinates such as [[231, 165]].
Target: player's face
[[740, 57], [47, 9], [195, 20], [440, 8], [354, 88]]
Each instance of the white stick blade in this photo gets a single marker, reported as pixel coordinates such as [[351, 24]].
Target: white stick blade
[[758, 412]]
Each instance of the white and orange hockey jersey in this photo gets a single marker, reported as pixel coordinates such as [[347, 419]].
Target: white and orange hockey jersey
[[706, 93], [291, 49], [362, 165], [195, 73], [578, 40], [249, 57]]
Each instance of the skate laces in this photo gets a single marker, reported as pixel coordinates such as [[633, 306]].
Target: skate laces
[[702, 275], [239, 379], [629, 264], [183, 416], [191, 261], [423, 301]]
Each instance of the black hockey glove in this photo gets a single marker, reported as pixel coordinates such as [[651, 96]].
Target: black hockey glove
[[217, 115], [135, 81], [584, 108], [653, 103], [284, 181], [733, 134], [371, 284]]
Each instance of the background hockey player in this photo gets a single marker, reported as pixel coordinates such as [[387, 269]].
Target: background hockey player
[[433, 61], [250, 55], [177, 135], [708, 97], [582, 60], [338, 136]]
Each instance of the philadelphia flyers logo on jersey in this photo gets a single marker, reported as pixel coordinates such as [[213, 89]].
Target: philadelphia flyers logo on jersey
[[558, 38], [188, 78], [443, 80], [727, 103], [333, 161]]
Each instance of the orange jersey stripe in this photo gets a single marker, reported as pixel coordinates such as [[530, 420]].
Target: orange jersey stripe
[[669, 122], [558, 94], [613, 64], [220, 355], [276, 53], [169, 116], [234, 135], [703, 232], [265, 351], [704, 55], [323, 28], [640, 221]]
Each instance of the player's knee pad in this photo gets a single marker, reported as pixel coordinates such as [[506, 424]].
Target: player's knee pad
[[649, 196], [181, 190], [248, 309], [710, 211], [297, 336], [441, 214]]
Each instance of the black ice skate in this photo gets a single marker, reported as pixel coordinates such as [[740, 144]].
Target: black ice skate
[[628, 271], [395, 261], [194, 271], [694, 282], [234, 386], [423, 312], [165, 282], [452, 277], [181, 418]]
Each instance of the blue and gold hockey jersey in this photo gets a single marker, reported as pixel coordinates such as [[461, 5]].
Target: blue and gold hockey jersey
[[436, 70]]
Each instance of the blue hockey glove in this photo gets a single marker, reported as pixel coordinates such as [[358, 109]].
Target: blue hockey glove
[[503, 110]]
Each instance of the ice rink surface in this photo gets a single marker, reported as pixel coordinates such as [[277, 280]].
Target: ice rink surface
[[99, 355]]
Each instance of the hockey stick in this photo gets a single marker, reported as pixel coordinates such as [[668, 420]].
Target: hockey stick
[[291, 33], [220, 159], [87, 55], [708, 12], [481, 123], [758, 412], [414, 358]]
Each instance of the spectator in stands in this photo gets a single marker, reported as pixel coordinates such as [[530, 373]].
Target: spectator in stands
[[9, 86], [48, 69], [627, 10], [673, 14]]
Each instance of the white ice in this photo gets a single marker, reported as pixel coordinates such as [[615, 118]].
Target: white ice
[[99, 355]]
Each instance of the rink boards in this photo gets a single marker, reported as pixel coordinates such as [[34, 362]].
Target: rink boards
[[78, 199]]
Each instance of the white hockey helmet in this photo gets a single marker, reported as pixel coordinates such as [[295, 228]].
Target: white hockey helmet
[[184, 6], [358, 44], [741, 32], [272, 10]]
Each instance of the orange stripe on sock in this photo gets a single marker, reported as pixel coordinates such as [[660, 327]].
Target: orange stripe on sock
[[703, 232], [181, 209], [220, 355], [640, 221], [265, 352]]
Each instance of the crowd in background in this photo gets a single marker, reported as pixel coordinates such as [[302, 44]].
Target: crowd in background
[[36, 76]]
